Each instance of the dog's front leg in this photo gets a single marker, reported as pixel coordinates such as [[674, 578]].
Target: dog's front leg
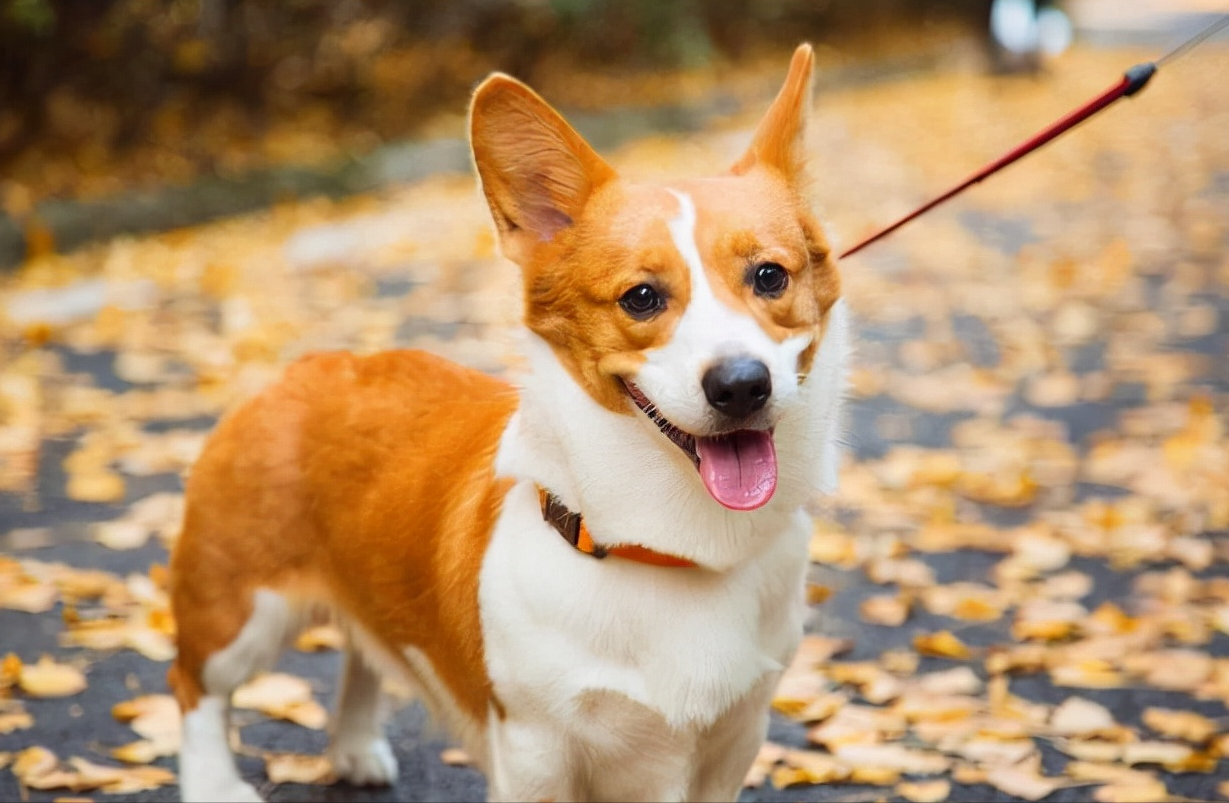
[[730, 745], [529, 761]]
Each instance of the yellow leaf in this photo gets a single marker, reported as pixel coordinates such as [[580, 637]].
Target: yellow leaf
[[890, 610], [874, 776], [139, 752], [976, 610], [1186, 725], [816, 767], [33, 762], [50, 679], [14, 721], [10, 669], [95, 485], [118, 780], [456, 757], [156, 717], [1148, 791], [28, 596], [941, 645], [282, 696], [1166, 753], [785, 777], [892, 756], [832, 545], [1080, 717], [295, 768], [320, 637], [1092, 673], [121, 534], [818, 594], [924, 791], [1022, 781]]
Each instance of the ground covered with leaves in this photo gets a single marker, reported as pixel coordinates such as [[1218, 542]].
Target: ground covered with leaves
[[1020, 591]]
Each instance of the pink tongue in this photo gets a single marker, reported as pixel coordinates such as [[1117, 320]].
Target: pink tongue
[[739, 469]]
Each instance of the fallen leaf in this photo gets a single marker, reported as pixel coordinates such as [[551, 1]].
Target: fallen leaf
[[282, 696], [889, 610], [14, 720], [857, 724], [1164, 753], [296, 768], [1088, 674], [941, 645], [1077, 716], [1092, 751], [24, 594], [121, 534], [924, 791], [892, 756], [456, 757], [957, 680], [47, 678], [873, 776], [156, 718], [996, 752], [1148, 791], [813, 767], [1022, 781], [1186, 725], [1059, 389], [320, 637], [96, 485], [119, 780]]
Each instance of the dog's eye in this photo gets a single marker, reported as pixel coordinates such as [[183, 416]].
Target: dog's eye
[[770, 280], [642, 302]]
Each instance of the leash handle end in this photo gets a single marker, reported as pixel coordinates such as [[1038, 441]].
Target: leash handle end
[[1138, 77]]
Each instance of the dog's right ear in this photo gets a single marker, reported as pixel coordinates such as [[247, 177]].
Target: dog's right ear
[[537, 173]]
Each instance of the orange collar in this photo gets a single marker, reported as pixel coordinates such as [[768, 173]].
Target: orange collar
[[572, 527]]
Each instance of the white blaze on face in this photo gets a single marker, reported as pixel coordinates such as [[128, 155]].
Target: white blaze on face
[[708, 331]]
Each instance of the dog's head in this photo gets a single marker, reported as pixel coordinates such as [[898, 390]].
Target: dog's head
[[697, 305]]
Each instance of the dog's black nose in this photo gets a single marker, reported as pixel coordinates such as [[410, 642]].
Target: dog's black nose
[[738, 386]]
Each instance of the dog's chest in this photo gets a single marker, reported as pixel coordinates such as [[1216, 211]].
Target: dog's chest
[[565, 632]]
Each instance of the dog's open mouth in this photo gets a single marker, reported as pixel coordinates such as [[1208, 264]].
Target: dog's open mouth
[[738, 468]]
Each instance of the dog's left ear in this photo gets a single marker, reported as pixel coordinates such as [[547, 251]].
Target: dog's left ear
[[537, 173], [779, 141]]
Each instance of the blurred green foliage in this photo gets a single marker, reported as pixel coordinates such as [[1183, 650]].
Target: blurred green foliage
[[103, 70], [35, 16]]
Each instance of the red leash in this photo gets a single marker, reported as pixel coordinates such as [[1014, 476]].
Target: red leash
[[1132, 81]]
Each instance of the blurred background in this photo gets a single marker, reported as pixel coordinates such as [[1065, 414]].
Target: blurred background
[[1019, 591], [99, 93]]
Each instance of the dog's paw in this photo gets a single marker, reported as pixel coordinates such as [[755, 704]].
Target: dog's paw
[[231, 791], [367, 763]]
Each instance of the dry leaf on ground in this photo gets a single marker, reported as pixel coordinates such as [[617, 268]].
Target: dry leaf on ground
[[924, 791], [48, 678], [282, 696], [296, 768], [941, 645]]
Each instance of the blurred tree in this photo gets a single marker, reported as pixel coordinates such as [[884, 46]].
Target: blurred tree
[[77, 76]]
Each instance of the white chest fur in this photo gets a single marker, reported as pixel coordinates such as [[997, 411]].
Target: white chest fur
[[685, 643]]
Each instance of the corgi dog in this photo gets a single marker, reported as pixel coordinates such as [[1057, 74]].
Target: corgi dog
[[593, 578]]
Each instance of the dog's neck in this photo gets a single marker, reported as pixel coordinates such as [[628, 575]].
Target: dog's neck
[[634, 486]]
